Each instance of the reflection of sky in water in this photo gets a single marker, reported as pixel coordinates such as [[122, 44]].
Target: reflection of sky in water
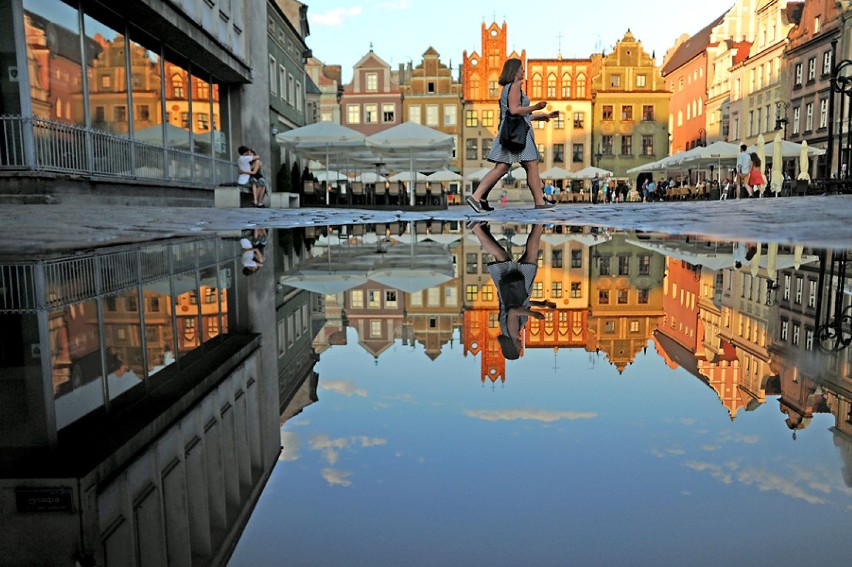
[[419, 463]]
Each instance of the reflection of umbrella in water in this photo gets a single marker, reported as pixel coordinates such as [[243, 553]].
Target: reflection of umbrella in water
[[324, 282], [777, 160], [409, 280]]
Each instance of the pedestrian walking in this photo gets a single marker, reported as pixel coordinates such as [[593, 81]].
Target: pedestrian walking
[[514, 100], [743, 170]]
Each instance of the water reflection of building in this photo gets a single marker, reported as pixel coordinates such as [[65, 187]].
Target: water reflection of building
[[626, 299], [128, 455]]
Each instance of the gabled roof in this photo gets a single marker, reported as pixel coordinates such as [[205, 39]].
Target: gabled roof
[[692, 47]]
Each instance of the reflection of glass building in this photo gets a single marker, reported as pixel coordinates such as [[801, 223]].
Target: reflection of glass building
[[142, 90], [135, 420]]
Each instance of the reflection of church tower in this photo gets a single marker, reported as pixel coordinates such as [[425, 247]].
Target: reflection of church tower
[[480, 337]]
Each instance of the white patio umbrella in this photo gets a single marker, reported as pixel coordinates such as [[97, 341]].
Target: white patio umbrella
[[407, 176], [324, 283], [761, 152], [322, 140], [478, 174], [409, 280], [370, 177], [590, 171], [711, 154], [444, 175], [519, 173], [804, 169], [410, 139], [556, 172], [777, 165], [330, 175]]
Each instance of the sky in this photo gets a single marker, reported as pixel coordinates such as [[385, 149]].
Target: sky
[[401, 30]]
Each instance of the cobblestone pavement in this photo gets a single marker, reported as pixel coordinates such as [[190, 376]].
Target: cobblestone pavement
[[815, 221]]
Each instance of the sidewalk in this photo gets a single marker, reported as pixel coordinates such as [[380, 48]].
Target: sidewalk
[[813, 221]]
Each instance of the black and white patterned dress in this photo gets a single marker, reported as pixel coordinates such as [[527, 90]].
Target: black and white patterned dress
[[498, 153], [498, 271]]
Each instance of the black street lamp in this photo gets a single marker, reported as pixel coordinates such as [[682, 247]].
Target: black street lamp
[[781, 118]]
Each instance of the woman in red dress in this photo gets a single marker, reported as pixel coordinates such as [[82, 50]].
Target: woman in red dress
[[755, 176]]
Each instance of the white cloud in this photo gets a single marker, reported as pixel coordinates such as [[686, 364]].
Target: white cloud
[[533, 415], [710, 447], [329, 447], [369, 441], [714, 470], [344, 388], [767, 482], [290, 446], [336, 477], [336, 17]]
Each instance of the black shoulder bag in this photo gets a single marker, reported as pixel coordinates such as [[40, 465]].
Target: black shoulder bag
[[513, 131]]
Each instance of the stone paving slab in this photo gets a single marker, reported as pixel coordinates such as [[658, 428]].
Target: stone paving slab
[[813, 221]]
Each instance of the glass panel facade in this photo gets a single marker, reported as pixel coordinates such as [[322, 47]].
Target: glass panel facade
[[159, 325], [106, 54], [54, 60]]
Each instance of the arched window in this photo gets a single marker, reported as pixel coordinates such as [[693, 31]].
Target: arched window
[[177, 86], [566, 85], [581, 86], [536, 86], [551, 86]]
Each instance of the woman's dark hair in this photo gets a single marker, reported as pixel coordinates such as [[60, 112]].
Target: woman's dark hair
[[754, 159], [510, 69], [247, 271]]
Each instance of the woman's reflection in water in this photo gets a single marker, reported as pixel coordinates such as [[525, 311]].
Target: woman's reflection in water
[[514, 310]]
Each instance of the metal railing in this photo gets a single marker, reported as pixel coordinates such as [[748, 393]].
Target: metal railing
[[41, 144], [55, 283]]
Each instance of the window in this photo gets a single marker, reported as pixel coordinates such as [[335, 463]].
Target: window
[[606, 145], [282, 78], [432, 115], [787, 285], [624, 265], [643, 294], [375, 328], [796, 331], [120, 113], [471, 147], [609, 326], [796, 116], [576, 290], [603, 296], [556, 258], [356, 298], [579, 119], [106, 81], [143, 112], [823, 113], [353, 114], [809, 117], [799, 285], [798, 75], [372, 81], [811, 293], [100, 114], [371, 114], [581, 86], [488, 118], [817, 24], [556, 289], [577, 153], [648, 112], [641, 80], [785, 329], [203, 121], [566, 86], [470, 292], [627, 112], [622, 296], [647, 144], [644, 264], [558, 153], [430, 87], [450, 115], [389, 112], [811, 69], [487, 292], [606, 112], [472, 263], [627, 145], [559, 121], [603, 266], [273, 75], [415, 114], [551, 86], [486, 147], [374, 299], [615, 80], [826, 63], [576, 258], [184, 120], [809, 339], [470, 118], [390, 299], [538, 290]]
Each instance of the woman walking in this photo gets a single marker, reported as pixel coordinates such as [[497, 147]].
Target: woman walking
[[514, 100], [755, 176]]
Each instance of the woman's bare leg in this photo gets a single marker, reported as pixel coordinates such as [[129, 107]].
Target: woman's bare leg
[[533, 244], [489, 244], [490, 180], [534, 181]]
